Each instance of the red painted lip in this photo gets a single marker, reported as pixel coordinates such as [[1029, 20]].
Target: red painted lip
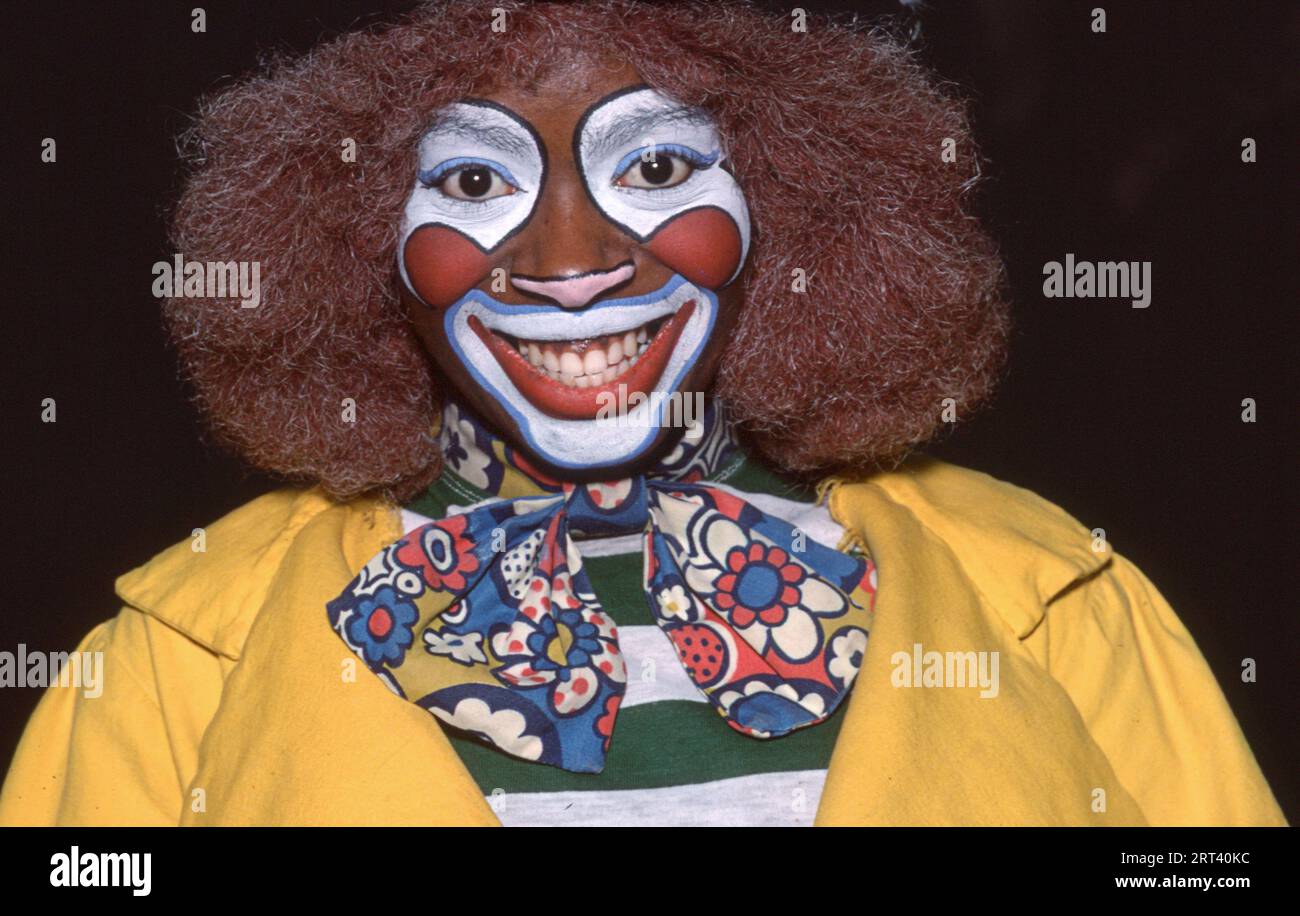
[[558, 400]]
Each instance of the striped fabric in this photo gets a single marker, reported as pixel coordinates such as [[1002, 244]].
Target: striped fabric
[[670, 764]]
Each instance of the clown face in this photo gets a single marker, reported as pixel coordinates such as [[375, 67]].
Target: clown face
[[570, 248]]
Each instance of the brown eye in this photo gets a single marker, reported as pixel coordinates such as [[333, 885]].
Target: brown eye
[[661, 170], [475, 182], [658, 170]]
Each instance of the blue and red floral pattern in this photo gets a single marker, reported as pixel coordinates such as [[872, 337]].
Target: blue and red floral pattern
[[515, 648]]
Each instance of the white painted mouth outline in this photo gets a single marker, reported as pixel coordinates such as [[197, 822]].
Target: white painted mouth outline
[[602, 441]]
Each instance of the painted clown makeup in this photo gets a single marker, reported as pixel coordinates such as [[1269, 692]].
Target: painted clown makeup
[[639, 179], [448, 231], [700, 226]]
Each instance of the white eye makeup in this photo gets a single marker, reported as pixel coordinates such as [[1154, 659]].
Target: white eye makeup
[[646, 159], [480, 171]]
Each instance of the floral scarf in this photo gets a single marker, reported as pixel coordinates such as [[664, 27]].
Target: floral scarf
[[514, 646]]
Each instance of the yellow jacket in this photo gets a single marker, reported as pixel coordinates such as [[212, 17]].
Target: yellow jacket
[[225, 699]]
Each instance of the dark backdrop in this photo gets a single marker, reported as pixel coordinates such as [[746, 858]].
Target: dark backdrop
[[1117, 146]]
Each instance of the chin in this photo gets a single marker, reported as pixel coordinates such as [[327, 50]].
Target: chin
[[586, 389]]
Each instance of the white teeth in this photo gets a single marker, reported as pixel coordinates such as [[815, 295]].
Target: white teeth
[[571, 364], [594, 362], [597, 365]]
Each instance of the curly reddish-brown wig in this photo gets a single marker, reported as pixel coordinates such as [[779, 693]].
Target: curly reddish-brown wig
[[835, 135]]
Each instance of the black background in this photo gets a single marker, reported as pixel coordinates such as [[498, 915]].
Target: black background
[[1122, 146]]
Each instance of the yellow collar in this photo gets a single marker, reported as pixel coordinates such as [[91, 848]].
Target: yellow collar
[[966, 564]]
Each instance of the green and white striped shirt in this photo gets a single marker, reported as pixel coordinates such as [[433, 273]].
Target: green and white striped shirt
[[672, 760]]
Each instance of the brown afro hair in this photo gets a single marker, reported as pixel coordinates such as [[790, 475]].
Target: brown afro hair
[[834, 134]]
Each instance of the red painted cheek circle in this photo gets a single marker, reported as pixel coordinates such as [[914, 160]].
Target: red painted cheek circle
[[701, 245], [443, 264]]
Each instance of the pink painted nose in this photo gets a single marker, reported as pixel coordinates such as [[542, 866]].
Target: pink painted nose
[[575, 292]]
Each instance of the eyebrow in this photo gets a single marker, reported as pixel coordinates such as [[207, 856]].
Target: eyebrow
[[493, 135], [636, 127]]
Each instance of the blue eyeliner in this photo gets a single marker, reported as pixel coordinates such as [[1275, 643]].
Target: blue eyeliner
[[694, 157], [431, 177]]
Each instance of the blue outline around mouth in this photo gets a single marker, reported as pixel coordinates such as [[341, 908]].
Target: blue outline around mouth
[[501, 308]]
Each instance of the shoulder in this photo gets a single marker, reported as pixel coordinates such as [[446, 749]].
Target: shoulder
[[1018, 548], [210, 586]]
